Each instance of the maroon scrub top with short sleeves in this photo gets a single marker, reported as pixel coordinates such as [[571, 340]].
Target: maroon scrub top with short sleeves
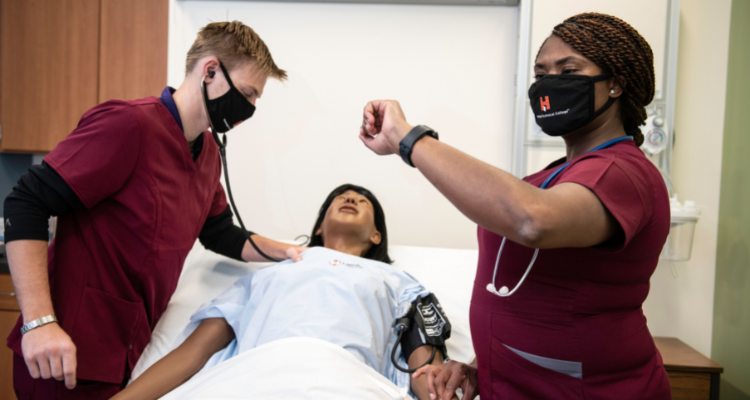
[[114, 266], [578, 304]]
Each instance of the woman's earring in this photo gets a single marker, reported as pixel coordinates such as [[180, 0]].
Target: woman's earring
[[612, 91]]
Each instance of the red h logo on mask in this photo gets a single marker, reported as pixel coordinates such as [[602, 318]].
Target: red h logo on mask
[[544, 103]]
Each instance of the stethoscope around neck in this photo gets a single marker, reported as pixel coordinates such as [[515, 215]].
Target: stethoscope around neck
[[504, 292]]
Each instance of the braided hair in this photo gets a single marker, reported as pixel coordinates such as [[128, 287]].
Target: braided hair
[[616, 47]]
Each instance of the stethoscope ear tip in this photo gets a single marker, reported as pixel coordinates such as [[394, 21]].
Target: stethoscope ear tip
[[490, 288]]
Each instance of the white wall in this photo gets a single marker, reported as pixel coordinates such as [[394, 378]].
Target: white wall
[[451, 68], [683, 307]]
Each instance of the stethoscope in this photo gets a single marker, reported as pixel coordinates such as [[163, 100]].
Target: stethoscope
[[223, 153], [504, 292]]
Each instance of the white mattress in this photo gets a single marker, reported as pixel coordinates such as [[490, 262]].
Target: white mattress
[[449, 273]]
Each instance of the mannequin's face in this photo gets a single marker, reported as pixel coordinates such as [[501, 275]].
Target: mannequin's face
[[353, 215]]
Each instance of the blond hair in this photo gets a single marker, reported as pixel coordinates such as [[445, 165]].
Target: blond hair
[[232, 43]]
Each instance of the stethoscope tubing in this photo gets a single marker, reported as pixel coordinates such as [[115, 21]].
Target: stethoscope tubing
[[223, 155]]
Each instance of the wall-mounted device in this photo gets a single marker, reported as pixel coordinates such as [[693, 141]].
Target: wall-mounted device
[[682, 229], [656, 132]]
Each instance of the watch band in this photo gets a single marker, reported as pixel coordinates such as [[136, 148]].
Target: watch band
[[406, 146], [37, 323]]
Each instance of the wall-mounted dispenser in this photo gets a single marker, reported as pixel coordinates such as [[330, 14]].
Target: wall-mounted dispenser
[[680, 240]]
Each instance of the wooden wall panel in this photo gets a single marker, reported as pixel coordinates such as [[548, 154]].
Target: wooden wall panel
[[8, 300], [48, 70], [7, 322], [9, 313], [133, 49]]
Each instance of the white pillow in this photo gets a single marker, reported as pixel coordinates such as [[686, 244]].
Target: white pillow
[[448, 273]]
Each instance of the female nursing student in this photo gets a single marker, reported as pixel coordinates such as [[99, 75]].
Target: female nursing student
[[574, 329], [133, 185]]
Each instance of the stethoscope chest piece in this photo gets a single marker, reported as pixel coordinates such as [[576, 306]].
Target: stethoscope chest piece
[[502, 292]]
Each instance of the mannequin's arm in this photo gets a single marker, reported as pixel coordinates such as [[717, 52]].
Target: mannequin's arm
[[182, 363]]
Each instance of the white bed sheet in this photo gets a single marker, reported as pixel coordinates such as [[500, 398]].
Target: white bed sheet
[[449, 273], [291, 368]]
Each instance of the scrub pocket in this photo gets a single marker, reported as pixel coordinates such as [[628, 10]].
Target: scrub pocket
[[570, 368], [515, 377], [103, 334]]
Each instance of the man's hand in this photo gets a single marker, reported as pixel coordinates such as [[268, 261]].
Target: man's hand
[[276, 250], [50, 353], [443, 380], [383, 126], [295, 253]]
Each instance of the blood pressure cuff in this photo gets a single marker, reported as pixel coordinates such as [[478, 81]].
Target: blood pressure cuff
[[429, 326]]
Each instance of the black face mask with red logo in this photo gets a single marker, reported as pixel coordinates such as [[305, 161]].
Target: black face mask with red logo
[[564, 103], [229, 109]]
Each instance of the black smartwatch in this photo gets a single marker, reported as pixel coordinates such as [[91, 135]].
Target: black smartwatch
[[407, 143]]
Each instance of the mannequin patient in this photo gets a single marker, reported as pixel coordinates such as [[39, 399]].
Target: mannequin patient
[[344, 291]]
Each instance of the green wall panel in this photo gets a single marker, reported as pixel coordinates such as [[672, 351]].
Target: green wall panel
[[731, 328]]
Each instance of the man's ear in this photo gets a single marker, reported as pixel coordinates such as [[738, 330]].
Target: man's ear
[[210, 69], [376, 238]]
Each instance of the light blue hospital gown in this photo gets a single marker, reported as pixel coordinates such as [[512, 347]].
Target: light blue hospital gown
[[343, 299]]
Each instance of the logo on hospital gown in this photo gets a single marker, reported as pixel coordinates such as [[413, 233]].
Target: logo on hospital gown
[[339, 262], [433, 319]]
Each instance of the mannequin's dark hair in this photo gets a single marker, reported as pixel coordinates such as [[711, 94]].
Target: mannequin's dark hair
[[378, 252], [616, 47]]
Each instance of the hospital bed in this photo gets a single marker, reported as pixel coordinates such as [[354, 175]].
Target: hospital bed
[[303, 367]]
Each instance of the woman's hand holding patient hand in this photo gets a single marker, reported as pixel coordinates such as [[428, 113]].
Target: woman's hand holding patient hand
[[443, 380], [383, 126]]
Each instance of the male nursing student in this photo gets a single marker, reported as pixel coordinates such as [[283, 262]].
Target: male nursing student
[[133, 185]]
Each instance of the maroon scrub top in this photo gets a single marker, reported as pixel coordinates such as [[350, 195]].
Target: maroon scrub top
[[578, 304], [114, 266]]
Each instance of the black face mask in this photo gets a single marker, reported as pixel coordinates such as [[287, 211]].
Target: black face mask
[[228, 110], [564, 103]]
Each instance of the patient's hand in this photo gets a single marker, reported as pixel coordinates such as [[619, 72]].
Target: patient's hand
[[443, 380]]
